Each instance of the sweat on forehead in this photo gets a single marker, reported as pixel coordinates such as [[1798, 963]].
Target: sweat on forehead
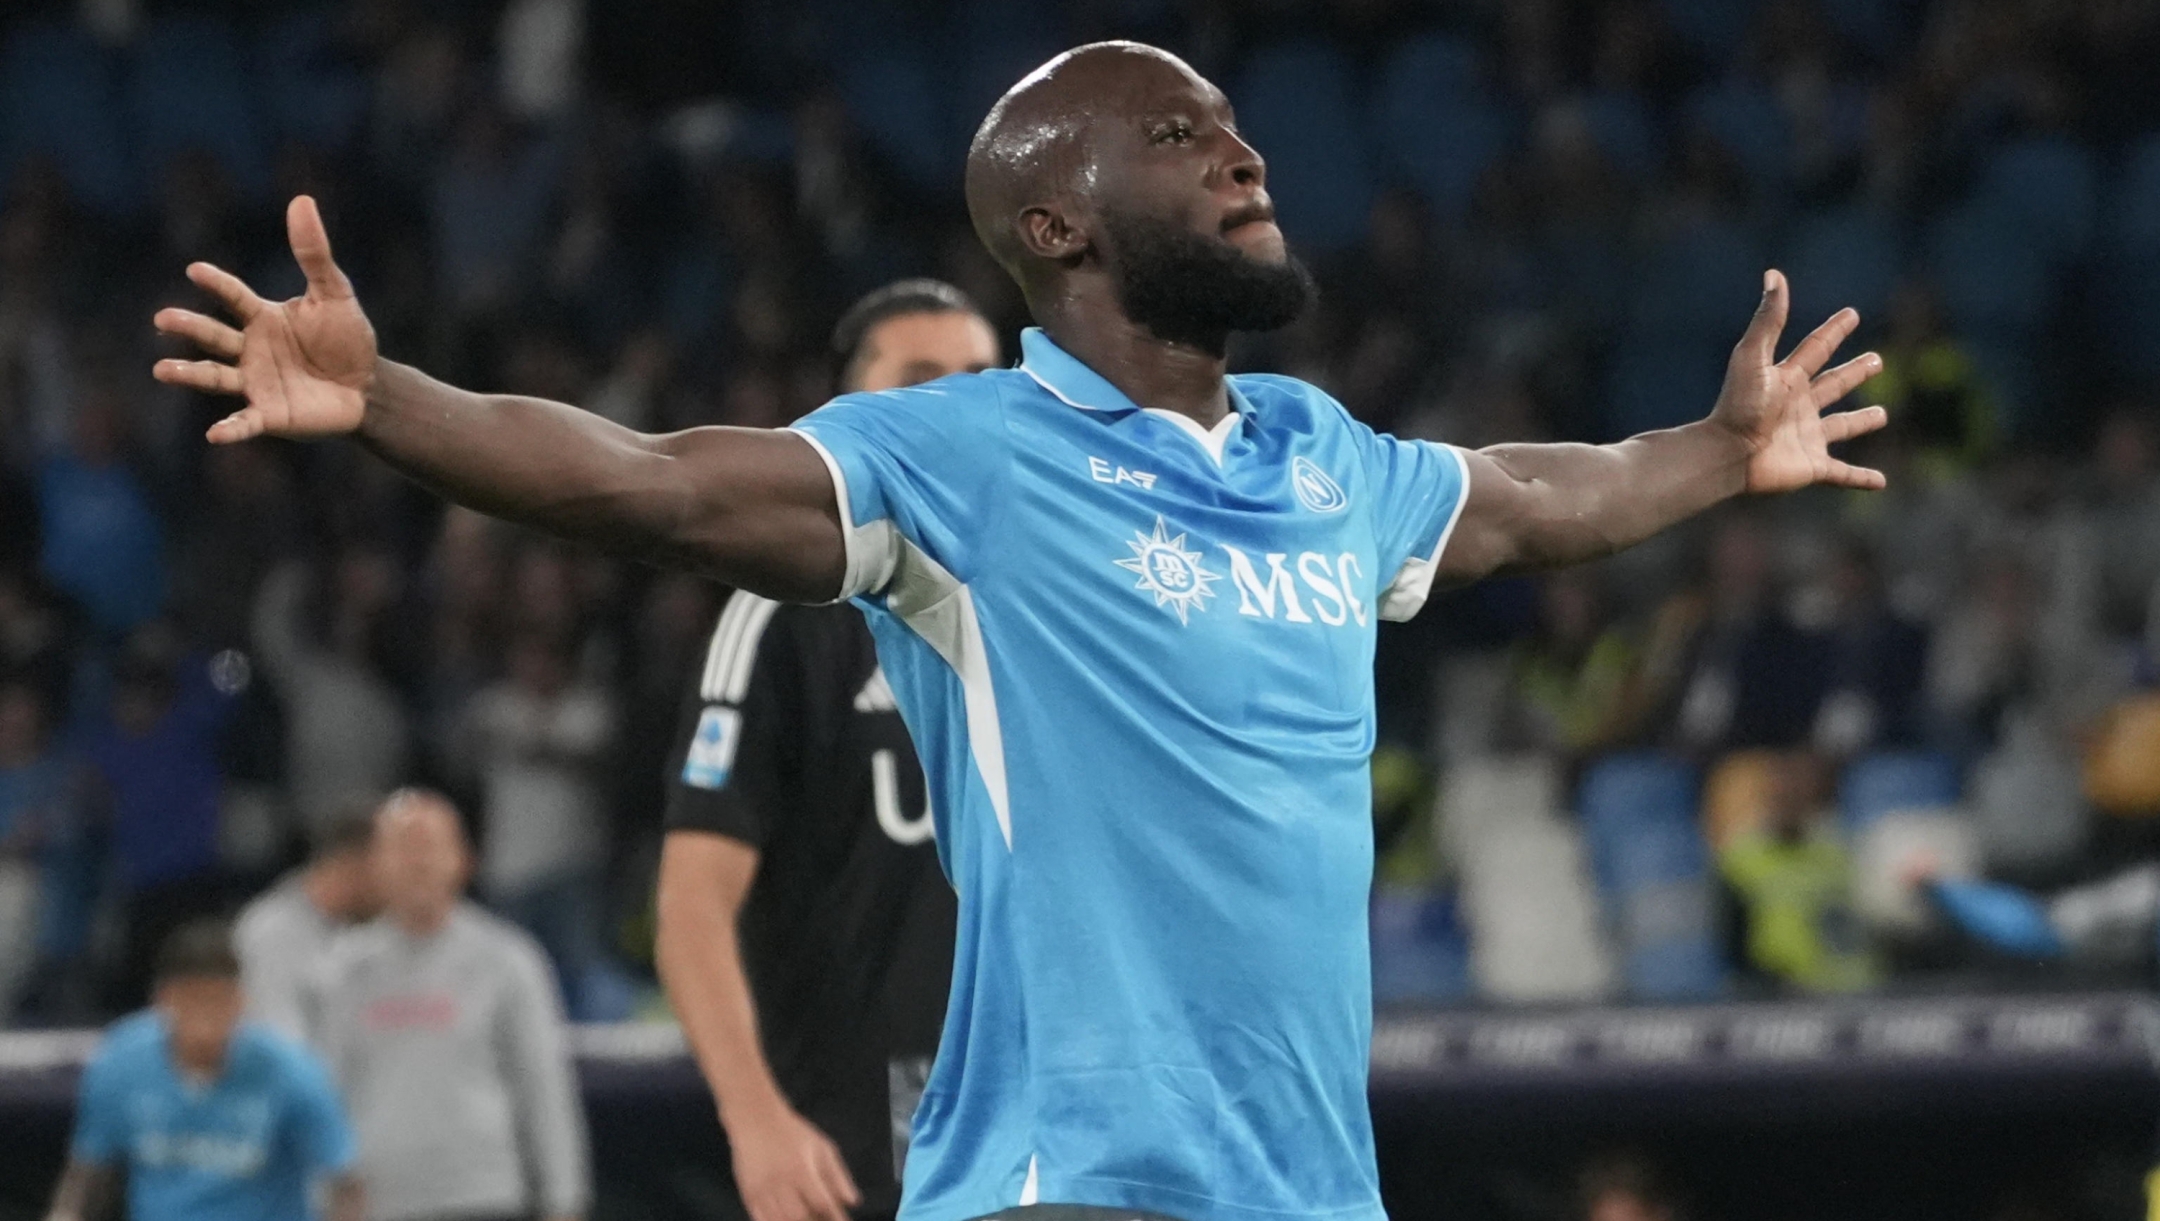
[[1032, 144]]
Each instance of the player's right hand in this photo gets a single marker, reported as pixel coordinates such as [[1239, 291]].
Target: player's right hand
[[303, 365], [787, 1170]]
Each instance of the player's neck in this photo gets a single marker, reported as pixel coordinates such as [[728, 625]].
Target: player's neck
[[1152, 372]]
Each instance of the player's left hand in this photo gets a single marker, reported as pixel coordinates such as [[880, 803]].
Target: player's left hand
[[1776, 406]]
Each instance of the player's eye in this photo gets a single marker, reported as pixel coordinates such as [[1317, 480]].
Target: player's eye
[[1179, 132]]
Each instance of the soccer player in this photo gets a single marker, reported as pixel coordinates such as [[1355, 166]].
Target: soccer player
[[208, 1118], [797, 814], [1127, 606]]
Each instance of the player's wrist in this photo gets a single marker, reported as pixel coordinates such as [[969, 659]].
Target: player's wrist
[[753, 1105]]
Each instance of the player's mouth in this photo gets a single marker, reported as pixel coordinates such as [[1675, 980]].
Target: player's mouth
[[1251, 228]]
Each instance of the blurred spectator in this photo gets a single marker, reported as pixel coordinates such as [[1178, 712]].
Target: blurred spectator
[[155, 762], [103, 543], [1755, 677], [442, 1026], [1789, 886], [1876, 660], [206, 1117], [1982, 660], [284, 934], [1624, 1186], [36, 808], [1936, 396], [1574, 681], [536, 741], [320, 640]]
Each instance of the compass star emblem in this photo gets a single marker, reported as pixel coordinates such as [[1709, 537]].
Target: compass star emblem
[[1173, 574]]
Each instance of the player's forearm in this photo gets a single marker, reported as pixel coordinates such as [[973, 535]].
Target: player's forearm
[[1590, 501], [540, 463], [752, 507], [701, 966]]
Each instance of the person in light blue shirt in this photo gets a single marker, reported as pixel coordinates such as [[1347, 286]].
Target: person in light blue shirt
[[207, 1117], [1127, 606]]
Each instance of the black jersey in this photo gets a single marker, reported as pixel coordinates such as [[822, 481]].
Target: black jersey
[[790, 742]]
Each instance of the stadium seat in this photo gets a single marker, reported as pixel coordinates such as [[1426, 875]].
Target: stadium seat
[[59, 99], [2026, 808], [1878, 27], [1420, 952], [1478, 796], [1532, 916], [1994, 277], [1668, 947], [890, 89], [1004, 42], [188, 89], [1848, 256], [1625, 130], [2127, 274], [311, 93], [1713, 27], [1296, 102], [1744, 118], [1699, 282], [1638, 817], [1875, 785], [1639, 823], [2050, 187], [1438, 131], [1659, 384]]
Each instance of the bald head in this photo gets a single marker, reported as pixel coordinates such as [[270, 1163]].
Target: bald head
[[1034, 148], [1113, 185], [421, 858]]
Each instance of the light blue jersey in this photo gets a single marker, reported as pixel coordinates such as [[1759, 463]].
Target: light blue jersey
[[1136, 657], [248, 1146]]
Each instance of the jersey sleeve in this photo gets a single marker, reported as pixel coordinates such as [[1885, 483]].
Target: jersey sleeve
[[916, 469], [742, 719], [1417, 492], [101, 1137]]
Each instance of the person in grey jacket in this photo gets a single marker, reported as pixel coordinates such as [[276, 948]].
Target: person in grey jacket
[[284, 934], [445, 1030]]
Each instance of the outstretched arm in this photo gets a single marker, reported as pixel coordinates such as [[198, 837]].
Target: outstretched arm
[[752, 507], [1543, 506]]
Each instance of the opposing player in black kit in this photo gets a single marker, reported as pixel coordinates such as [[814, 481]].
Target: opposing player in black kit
[[806, 931]]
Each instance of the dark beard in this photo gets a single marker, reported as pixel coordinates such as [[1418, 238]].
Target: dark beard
[[1186, 288]]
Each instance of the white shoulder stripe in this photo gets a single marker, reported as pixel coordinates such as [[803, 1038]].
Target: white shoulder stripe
[[755, 620], [733, 651], [716, 651]]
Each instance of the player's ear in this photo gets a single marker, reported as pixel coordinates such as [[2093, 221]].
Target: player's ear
[[1047, 233]]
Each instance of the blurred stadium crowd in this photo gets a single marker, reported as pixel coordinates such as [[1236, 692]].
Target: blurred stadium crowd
[[1715, 764]]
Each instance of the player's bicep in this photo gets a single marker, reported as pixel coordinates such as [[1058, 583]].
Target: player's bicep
[[1533, 506], [1495, 510], [756, 508]]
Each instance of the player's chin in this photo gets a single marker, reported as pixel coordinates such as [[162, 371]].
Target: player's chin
[[1259, 241]]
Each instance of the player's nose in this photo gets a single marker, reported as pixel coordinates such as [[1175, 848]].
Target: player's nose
[[1243, 164]]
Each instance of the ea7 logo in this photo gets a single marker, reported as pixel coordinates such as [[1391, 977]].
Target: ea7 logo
[[1315, 489]]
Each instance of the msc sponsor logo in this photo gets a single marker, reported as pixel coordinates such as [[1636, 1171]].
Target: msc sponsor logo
[[1167, 570], [1315, 489], [1313, 587]]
